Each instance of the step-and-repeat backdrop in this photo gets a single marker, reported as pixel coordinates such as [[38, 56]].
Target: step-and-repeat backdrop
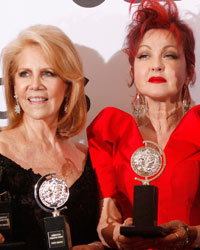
[[98, 29]]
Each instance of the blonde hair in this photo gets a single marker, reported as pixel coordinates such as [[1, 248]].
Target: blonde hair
[[60, 51]]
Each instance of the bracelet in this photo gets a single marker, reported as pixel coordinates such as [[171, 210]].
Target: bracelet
[[186, 242], [187, 235], [95, 244]]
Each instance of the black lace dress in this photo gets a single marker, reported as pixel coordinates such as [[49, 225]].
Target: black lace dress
[[81, 212]]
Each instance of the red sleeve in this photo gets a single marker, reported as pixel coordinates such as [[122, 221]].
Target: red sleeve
[[104, 135]]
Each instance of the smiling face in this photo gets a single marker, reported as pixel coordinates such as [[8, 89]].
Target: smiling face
[[40, 91], [160, 66]]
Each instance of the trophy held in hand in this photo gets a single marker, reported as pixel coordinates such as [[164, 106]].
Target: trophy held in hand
[[6, 216], [51, 193], [148, 162], [6, 224]]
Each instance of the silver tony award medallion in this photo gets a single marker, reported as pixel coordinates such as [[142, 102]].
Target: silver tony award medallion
[[51, 194], [148, 162]]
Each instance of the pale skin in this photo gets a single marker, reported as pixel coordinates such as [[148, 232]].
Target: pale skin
[[158, 55], [34, 143]]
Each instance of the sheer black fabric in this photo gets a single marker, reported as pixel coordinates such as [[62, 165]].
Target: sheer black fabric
[[82, 205]]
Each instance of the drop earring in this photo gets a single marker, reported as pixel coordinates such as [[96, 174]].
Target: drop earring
[[186, 99], [138, 105], [66, 106], [17, 107]]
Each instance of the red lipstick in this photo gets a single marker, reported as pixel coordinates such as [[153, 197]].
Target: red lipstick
[[157, 79]]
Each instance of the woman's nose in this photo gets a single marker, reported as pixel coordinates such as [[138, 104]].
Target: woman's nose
[[36, 83], [156, 68], [157, 65]]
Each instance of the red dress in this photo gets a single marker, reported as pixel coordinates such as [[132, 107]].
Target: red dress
[[113, 136]]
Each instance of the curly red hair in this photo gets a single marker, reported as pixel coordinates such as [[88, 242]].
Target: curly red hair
[[153, 15]]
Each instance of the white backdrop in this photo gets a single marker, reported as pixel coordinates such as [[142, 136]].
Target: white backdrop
[[98, 33]]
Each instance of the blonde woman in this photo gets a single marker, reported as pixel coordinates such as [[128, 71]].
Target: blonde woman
[[44, 86]]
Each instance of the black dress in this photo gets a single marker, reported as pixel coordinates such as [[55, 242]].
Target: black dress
[[82, 205]]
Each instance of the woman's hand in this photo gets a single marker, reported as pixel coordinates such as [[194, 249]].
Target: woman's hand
[[180, 235], [84, 247], [97, 245], [178, 238], [1, 239], [138, 243]]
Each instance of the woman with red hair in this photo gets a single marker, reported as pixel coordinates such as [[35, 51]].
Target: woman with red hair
[[160, 47]]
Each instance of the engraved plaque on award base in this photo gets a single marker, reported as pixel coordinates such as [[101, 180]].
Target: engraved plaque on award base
[[6, 228], [51, 193], [147, 161], [6, 217]]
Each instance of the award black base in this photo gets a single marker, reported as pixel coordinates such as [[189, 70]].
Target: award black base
[[6, 220], [13, 246], [144, 213], [142, 231], [56, 233], [6, 227]]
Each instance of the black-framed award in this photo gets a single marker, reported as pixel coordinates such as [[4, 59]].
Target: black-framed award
[[51, 193], [148, 162], [6, 216], [6, 225]]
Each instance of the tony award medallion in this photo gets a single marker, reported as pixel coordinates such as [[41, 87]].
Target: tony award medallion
[[148, 162], [51, 193]]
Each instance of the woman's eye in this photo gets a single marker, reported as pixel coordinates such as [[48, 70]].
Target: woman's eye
[[142, 56], [48, 73], [173, 56], [24, 74]]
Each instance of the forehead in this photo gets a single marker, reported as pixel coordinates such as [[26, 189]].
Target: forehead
[[158, 38], [30, 54]]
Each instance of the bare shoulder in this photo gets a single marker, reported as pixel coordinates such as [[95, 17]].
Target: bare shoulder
[[7, 135], [80, 146], [6, 140], [75, 148]]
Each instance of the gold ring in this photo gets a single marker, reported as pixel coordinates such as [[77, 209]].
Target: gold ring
[[177, 236]]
